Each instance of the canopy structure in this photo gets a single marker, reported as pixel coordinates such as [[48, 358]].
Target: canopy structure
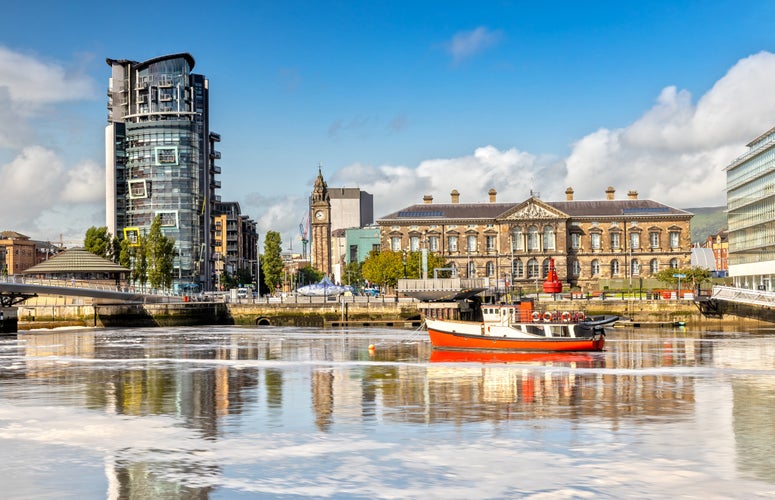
[[77, 262], [703, 258], [324, 287]]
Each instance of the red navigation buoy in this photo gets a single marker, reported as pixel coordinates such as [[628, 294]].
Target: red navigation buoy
[[552, 283]]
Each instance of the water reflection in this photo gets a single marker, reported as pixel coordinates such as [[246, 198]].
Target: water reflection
[[182, 393]]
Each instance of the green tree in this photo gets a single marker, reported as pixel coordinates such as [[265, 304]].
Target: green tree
[[97, 241], [353, 274], [244, 276], [160, 252], [387, 267], [694, 276], [125, 254], [308, 275], [115, 250], [414, 264], [383, 268], [140, 267], [272, 262]]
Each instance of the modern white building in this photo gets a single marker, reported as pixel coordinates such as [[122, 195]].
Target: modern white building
[[751, 215]]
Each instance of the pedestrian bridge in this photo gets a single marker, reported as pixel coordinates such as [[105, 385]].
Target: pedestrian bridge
[[16, 289], [744, 296], [713, 305]]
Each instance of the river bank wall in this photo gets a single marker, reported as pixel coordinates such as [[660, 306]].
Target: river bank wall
[[338, 314]]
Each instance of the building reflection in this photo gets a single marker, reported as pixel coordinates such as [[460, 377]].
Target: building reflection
[[202, 380]]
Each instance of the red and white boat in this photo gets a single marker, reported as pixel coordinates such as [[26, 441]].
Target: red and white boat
[[516, 327]]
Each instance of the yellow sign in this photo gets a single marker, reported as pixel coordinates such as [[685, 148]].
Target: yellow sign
[[132, 235]]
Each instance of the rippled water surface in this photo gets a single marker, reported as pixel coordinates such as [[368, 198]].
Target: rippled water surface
[[230, 412]]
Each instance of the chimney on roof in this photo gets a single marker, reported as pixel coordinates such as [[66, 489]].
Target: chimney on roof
[[492, 192], [427, 199], [609, 193], [632, 194], [455, 196], [569, 194]]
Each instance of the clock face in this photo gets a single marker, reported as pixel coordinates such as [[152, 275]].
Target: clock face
[[319, 214]]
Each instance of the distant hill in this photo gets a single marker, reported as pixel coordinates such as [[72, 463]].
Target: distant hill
[[707, 221]]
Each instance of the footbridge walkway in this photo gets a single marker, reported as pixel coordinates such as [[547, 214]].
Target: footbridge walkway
[[723, 297], [16, 289]]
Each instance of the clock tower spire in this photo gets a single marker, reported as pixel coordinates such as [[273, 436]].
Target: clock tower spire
[[320, 211]]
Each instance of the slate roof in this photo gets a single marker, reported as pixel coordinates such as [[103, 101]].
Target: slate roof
[[76, 260], [580, 208], [451, 211], [602, 208]]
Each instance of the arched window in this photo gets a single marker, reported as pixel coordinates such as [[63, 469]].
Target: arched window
[[532, 239], [575, 268], [634, 267], [654, 266], [595, 267], [490, 269], [518, 269], [532, 268], [517, 242], [454, 269], [673, 263], [471, 270], [545, 268], [614, 267], [548, 238]]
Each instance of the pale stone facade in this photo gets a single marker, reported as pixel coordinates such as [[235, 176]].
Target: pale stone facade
[[513, 243]]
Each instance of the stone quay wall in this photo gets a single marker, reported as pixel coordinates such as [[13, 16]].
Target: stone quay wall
[[376, 313]]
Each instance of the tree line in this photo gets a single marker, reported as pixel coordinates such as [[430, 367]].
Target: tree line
[[150, 261]]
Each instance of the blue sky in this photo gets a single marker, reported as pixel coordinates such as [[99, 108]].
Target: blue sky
[[399, 98]]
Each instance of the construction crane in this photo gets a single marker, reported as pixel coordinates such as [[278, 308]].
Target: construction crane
[[303, 232]]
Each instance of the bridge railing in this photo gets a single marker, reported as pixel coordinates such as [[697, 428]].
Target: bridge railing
[[107, 285], [744, 296]]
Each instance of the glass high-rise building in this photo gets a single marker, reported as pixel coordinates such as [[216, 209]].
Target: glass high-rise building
[[751, 215], [160, 160]]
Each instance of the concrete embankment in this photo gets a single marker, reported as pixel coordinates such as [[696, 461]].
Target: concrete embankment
[[335, 314], [387, 313]]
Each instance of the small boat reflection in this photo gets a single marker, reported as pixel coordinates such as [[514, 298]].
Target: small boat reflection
[[580, 359]]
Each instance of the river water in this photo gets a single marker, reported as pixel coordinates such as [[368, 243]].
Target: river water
[[235, 412]]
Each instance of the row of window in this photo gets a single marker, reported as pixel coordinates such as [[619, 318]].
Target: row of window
[[532, 241], [615, 240], [533, 269]]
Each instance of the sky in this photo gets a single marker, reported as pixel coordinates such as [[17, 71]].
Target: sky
[[399, 98]]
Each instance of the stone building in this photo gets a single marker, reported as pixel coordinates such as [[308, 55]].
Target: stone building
[[18, 252], [589, 240]]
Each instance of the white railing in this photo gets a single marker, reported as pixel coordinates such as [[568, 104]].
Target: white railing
[[86, 284], [744, 296]]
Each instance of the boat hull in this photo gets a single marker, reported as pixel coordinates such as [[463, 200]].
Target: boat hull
[[462, 336]]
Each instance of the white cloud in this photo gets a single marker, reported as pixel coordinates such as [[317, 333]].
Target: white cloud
[[676, 151], [31, 81], [466, 44], [41, 194]]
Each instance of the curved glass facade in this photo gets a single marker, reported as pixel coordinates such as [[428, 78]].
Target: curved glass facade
[[159, 139]]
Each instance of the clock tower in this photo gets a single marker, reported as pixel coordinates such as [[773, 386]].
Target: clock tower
[[320, 217]]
